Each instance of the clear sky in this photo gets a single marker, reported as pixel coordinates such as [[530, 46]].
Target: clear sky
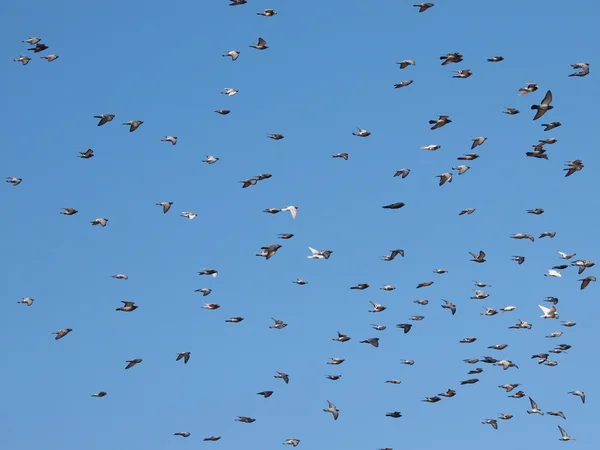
[[330, 67]]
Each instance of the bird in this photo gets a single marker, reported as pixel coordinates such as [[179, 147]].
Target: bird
[[26, 301], [550, 234], [24, 60], [234, 54], [211, 306], [333, 410], [268, 13], [189, 215], [402, 84], [32, 40], [133, 124], [182, 434], [450, 58], [61, 333], [534, 408], [394, 414], [245, 419], [424, 6], [361, 132], [440, 122], [292, 442], [463, 73], [278, 324], [223, 112], [293, 210], [402, 173], [127, 306], [397, 205], [343, 156], [133, 362], [511, 111], [235, 319], [468, 211], [373, 341], [495, 59], [204, 291], [461, 168], [100, 394], [480, 258], [536, 211], [212, 272], [478, 141], [360, 286], [586, 281], [100, 221], [584, 69], [284, 376], [212, 438], [544, 107], [431, 147], [171, 139], [405, 63], [468, 340], [69, 211], [447, 176], [492, 422], [104, 119], [316, 254], [564, 436], [210, 159], [531, 87], [579, 394], [548, 313], [50, 58], [557, 414], [393, 254], [265, 394], [519, 259], [260, 45], [183, 355], [39, 47], [14, 180], [230, 92], [166, 206], [269, 251], [377, 307], [573, 166]]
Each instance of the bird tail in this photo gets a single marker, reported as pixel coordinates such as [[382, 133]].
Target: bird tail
[[431, 122], [535, 106]]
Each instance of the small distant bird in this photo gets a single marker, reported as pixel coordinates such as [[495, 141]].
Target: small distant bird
[[127, 306], [394, 381], [402, 173], [379, 327], [204, 291], [333, 377], [50, 58], [211, 272], [440, 271], [211, 306], [285, 236], [284, 376], [27, 301], [397, 205], [292, 442], [405, 63], [447, 176], [522, 325], [403, 84], [534, 408], [32, 40], [38, 48], [573, 166], [424, 284], [376, 307], [557, 414], [468, 157], [276, 136], [469, 381], [549, 234], [269, 251], [342, 337], [293, 210], [431, 147], [536, 211], [461, 168], [433, 399], [23, 59], [463, 73], [481, 285], [171, 139], [531, 87], [316, 254], [373, 341], [496, 59], [480, 258], [133, 362], [492, 422], [551, 125], [300, 282], [509, 387], [440, 122], [120, 276], [523, 236], [166, 206], [585, 69], [405, 326], [267, 13], [184, 355], [544, 107], [450, 58], [511, 111], [424, 6], [100, 221], [478, 141], [235, 54], [265, 394], [133, 124], [182, 434], [237, 2], [548, 313], [210, 159], [564, 436], [505, 416], [236, 319], [361, 132], [344, 156], [189, 215], [408, 362], [468, 211], [99, 394], [394, 414], [449, 393], [586, 281], [213, 438], [360, 286], [245, 419], [69, 211], [223, 112], [230, 92], [14, 181], [336, 361], [333, 410], [468, 340], [104, 118], [277, 324], [449, 305], [553, 273], [579, 394], [261, 45], [393, 254], [519, 259], [388, 287]]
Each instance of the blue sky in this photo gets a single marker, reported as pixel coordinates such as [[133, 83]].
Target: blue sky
[[330, 68]]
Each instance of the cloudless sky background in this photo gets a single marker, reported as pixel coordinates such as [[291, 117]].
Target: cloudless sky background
[[330, 68]]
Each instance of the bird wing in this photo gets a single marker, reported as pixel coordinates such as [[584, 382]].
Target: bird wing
[[262, 42], [545, 310], [313, 251], [533, 403], [547, 98], [562, 431]]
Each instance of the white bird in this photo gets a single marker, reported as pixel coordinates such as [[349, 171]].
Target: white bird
[[189, 215], [233, 53], [292, 209], [229, 91], [431, 147], [508, 309], [210, 159], [27, 301], [566, 255], [388, 287], [461, 169], [564, 436], [549, 313], [316, 254], [553, 273], [361, 132], [376, 307]]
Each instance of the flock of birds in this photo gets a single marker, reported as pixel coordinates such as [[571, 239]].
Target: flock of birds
[[549, 312]]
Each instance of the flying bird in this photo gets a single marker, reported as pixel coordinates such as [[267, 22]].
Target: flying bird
[[544, 107], [261, 45], [440, 122], [234, 54], [183, 355], [333, 410], [166, 206], [424, 6], [133, 124], [584, 69], [104, 119]]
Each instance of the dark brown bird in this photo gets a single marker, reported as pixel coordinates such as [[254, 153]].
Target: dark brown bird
[[184, 355], [38, 48], [544, 107], [586, 281], [478, 258], [61, 333], [223, 112], [133, 362], [440, 122], [269, 251], [104, 118], [89, 153]]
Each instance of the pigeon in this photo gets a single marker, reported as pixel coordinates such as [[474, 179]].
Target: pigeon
[[166, 206], [557, 414], [424, 284], [26, 301], [211, 272], [468, 157], [505, 416], [260, 45], [284, 376], [549, 234], [69, 211], [360, 286], [468, 211], [100, 221], [495, 59], [376, 307], [408, 362], [548, 313], [336, 361], [38, 48], [14, 181], [269, 251], [469, 381], [461, 169], [551, 125], [32, 40], [424, 6], [544, 107], [478, 141], [509, 387], [579, 394], [440, 122], [292, 442], [333, 377], [204, 291], [342, 337], [433, 399], [447, 176], [397, 205], [492, 422], [388, 287], [405, 63], [120, 276], [343, 156], [564, 436], [448, 394], [210, 159], [373, 341], [463, 73], [511, 111], [478, 258], [211, 306], [553, 273], [236, 319], [440, 271], [285, 236], [585, 69], [182, 434], [223, 112], [24, 60], [379, 327], [275, 136], [189, 215], [99, 394], [450, 58], [405, 326], [230, 92], [531, 87], [300, 282], [468, 340], [50, 58], [213, 438], [278, 324], [403, 84], [171, 139], [573, 166], [394, 414], [133, 124], [519, 259], [292, 209], [127, 306], [522, 325], [523, 236], [333, 410], [104, 119], [449, 305], [133, 362], [586, 281], [393, 254], [183, 355], [431, 147], [402, 173], [245, 419], [394, 381], [265, 394], [234, 54], [316, 254], [361, 132], [237, 2], [268, 13]]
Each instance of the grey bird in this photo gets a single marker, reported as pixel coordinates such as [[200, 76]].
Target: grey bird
[[417, 318], [492, 422], [237, 2], [14, 181], [551, 125], [405, 326], [583, 264], [557, 414], [300, 282], [204, 291], [573, 166], [481, 285], [61, 333], [468, 211], [236, 319], [450, 58], [269, 251], [523, 236], [265, 394], [544, 107], [23, 59], [495, 59], [475, 371], [394, 381], [212, 272], [393, 254], [260, 45], [26, 301], [223, 112], [511, 111], [285, 235], [104, 119], [99, 394], [100, 221], [408, 362], [433, 399], [531, 87], [468, 157], [522, 325], [378, 327], [388, 287], [133, 124], [463, 73], [267, 13], [448, 394], [376, 307], [284, 376], [509, 387], [564, 436], [343, 156], [69, 211], [584, 69], [449, 305], [440, 271], [461, 168], [292, 442], [397, 205], [127, 306], [402, 173], [519, 259], [471, 360], [446, 176], [424, 284], [342, 337], [421, 302], [468, 340], [403, 84], [498, 346], [245, 419], [182, 434], [549, 234], [234, 54], [360, 286], [133, 362], [440, 122], [336, 361], [586, 281], [405, 63], [32, 40], [424, 6], [171, 139], [361, 132], [50, 58], [480, 258], [333, 410], [534, 408], [183, 355], [278, 324], [166, 206], [579, 394], [275, 136], [469, 381], [478, 141], [120, 276], [505, 416], [373, 341]]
